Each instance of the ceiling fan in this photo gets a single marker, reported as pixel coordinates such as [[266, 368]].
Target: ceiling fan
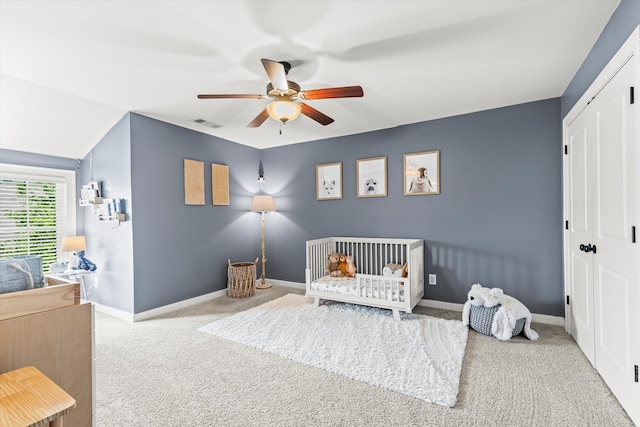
[[286, 96]]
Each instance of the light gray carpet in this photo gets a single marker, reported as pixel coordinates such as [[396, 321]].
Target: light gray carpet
[[164, 372]]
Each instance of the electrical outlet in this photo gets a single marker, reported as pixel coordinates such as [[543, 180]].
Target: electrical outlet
[[95, 283], [432, 279]]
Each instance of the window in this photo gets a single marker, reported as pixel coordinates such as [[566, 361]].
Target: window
[[36, 211]]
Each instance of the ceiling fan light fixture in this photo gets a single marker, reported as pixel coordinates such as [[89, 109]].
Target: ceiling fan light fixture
[[284, 111]]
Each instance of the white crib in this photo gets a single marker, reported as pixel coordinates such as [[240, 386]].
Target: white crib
[[369, 287]]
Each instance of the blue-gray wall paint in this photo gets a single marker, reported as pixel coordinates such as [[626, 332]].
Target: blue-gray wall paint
[[14, 157], [497, 221], [110, 246], [181, 251], [622, 23]]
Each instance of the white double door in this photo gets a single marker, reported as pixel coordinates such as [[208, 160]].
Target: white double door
[[602, 189]]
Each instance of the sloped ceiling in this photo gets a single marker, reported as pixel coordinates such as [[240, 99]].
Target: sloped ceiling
[[71, 69]]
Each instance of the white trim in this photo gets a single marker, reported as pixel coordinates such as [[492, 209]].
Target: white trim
[[93, 366], [629, 49], [113, 312], [129, 317], [296, 285], [536, 318], [69, 177], [549, 320], [440, 304], [123, 315]]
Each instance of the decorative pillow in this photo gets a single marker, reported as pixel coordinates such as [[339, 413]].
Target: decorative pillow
[[481, 318]]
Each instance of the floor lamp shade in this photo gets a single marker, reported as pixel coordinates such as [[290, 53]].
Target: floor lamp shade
[[263, 204]]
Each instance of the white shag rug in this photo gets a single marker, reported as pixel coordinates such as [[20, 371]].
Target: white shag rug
[[420, 356]]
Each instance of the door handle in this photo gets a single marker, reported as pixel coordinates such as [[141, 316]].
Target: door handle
[[588, 248]]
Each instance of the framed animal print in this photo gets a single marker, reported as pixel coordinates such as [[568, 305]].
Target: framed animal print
[[329, 181], [422, 173], [372, 177]]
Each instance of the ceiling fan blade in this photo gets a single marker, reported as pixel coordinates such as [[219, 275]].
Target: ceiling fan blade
[[277, 74], [231, 96], [332, 92], [260, 118], [316, 115]]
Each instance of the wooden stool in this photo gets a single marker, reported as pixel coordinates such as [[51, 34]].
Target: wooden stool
[[28, 397]]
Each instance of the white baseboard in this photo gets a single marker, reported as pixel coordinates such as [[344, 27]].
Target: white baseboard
[[113, 312], [536, 318], [549, 320], [296, 285], [129, 317], [441, 305]]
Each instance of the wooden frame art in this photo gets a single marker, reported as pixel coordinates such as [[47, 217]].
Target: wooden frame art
[[371, 177], [329, 181], [422, 173], [193, 182]]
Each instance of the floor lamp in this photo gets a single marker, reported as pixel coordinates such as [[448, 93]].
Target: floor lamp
[[263, 204]]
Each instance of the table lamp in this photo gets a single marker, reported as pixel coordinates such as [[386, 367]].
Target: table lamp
[[73, 244]]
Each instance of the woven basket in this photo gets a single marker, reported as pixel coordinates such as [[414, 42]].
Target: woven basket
[[241, 281], [481, 319]]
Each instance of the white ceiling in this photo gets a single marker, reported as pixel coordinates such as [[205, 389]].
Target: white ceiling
[[71, 69]]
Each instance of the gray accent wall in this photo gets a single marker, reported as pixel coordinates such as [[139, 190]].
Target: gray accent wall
[[181, 251], [166, 252], [622, 23], [497, 221], [109, 245]]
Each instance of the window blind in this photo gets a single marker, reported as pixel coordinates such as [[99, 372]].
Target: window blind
[[33, 216]]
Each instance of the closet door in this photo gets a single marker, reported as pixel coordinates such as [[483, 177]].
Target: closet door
[[580, 263], [616, 269]]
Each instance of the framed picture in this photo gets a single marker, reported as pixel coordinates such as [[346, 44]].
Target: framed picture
[[422, 173], [193, 182], [372, 177], [329, 181], [220, 184]]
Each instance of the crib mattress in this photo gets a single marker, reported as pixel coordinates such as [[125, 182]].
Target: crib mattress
[[382, 289]]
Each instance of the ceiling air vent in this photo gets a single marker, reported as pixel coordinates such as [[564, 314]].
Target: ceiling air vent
[[206, 123]]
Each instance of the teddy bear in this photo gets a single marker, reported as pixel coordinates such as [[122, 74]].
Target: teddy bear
[[350, 269], [342, 265], [504, 320], [333, 268], [397, 270]]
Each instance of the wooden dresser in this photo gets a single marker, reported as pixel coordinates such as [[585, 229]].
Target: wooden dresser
[[50, 328]]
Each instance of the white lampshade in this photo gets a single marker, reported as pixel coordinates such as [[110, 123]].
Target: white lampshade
[[263, 204], [283, 111], [74, 244]]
